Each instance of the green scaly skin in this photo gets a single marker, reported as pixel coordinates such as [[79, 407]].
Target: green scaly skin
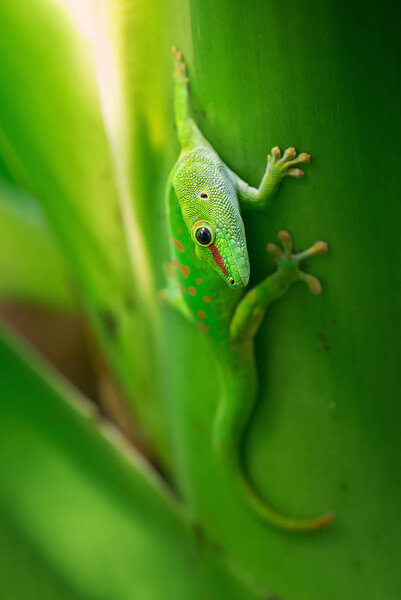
[[208, 276]]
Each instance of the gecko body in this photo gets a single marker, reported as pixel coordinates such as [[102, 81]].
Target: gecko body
[[209, 274]]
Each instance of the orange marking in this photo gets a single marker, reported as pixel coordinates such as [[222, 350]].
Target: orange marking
[[184, 270], [175, 262], [204, 327], [180, 231], [206, 299], [201, 314], [182, 288], [178, 245], [218, 259], [192, 291], [198, 281]]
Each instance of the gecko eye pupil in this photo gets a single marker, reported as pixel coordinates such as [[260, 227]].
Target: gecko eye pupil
[[203, 236], [204, 195]]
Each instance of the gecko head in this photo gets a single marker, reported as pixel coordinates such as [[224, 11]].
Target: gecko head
[[210, 209]]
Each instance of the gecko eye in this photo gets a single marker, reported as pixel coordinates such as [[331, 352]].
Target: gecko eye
[[204, 195], [203, 233], [203, 236]]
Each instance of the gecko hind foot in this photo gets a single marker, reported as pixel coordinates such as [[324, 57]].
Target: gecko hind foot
[[283, 164], [289, 263]]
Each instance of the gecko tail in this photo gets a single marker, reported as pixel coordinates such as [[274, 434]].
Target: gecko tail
[[271, 516], [239, 382], [231, 464]]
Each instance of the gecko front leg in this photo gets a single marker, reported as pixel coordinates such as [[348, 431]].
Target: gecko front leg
[[277, 168]]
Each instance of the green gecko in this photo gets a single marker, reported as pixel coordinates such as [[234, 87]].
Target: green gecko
[[209, 273]]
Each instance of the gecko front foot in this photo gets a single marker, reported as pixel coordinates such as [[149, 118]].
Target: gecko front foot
[[277, 168], [180, 71], [282, 165], [288, 263]]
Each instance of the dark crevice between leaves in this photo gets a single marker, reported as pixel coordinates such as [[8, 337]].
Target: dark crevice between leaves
[[65, 339]]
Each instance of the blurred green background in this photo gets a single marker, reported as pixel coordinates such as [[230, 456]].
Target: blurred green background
[[108, 485]]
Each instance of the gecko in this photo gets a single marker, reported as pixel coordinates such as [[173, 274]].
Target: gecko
[[209, 273]]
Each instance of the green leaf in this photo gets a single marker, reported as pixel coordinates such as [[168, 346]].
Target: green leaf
[[89, 508], [32, 268], [35, 578], [57, 141], [321, 77]]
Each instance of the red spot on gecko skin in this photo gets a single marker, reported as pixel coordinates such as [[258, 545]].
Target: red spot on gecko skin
[[192, 290], [175, 262], [180, 231], [201, 314], [204, 327], [198, 281], [178, 245], [206, 299], [184, 270], [182, 288], [218, 259]]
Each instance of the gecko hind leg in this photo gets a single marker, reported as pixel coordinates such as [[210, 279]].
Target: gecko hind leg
[[288, 262], [246, 321], [251, 310]]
